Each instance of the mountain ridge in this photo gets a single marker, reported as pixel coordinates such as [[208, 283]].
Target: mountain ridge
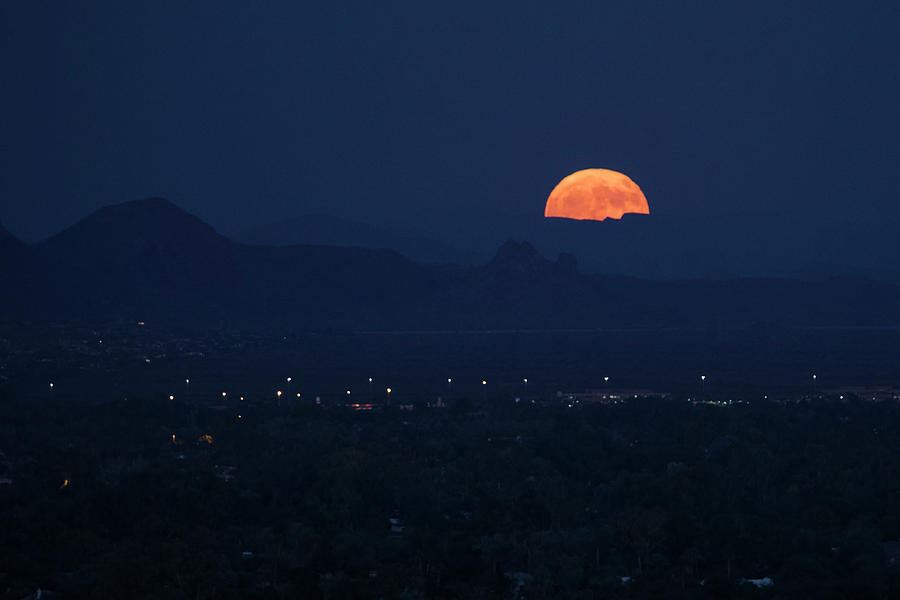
[[151, 259]]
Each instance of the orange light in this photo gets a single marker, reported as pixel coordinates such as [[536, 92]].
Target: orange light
[[596, 194]]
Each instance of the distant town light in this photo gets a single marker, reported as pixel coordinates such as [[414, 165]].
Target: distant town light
[[242, 398], [278, 393], [483, 382], [171, 397], [348, 392], [240, 417], [389, 391], [298, 394], [224, 394]]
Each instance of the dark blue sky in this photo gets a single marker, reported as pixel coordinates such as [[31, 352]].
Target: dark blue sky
[[416, 112]]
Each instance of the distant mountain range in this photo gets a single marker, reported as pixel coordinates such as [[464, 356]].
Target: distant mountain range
[[333, 231], [150, 260], [652, 247]]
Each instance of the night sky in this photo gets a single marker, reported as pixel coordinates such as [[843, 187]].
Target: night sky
[[414, 113]]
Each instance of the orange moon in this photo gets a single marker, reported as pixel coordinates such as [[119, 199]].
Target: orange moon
[[596, 194]]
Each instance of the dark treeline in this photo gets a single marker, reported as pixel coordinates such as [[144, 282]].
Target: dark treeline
[[661, 498]]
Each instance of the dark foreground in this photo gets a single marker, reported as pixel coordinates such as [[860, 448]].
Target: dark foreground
[[474, 500]]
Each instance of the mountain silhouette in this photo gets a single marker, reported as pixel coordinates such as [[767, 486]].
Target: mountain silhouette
[[149, 259], [699, 246], [318, 229], [147, 242]]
